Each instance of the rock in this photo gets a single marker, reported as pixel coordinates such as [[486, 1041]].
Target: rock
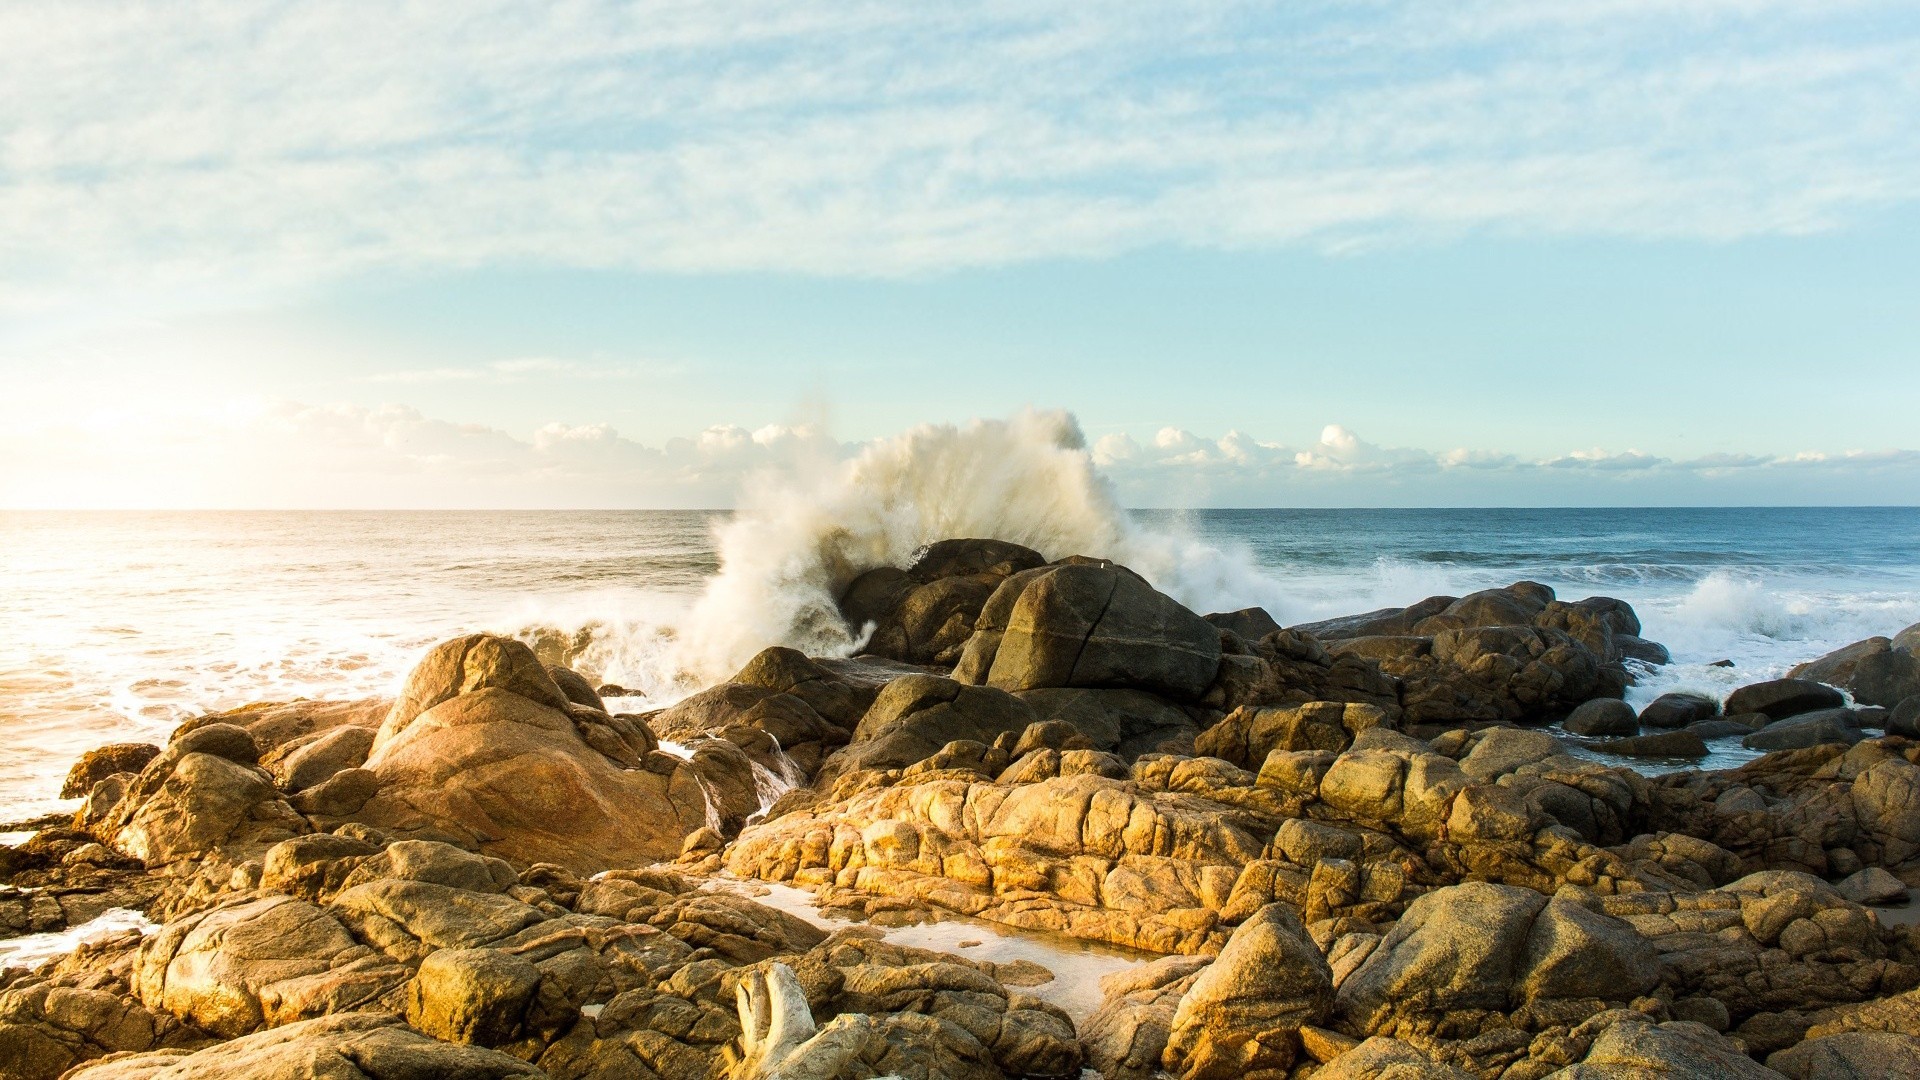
[[1502, 750], [1853, 1055], [1603, 716], [926, 613], [1464, 956], [1782, 698], [331, 752], [1886, 802], [229, 741], [1873, 886], [1634, 647], [1905, 718], [48, 1027], [186, 803], [1242, 1017], [1250, 733], [98, 764], [1677, 710], [340, 795], [255, 962], [1680, 1050], [917, 715], [347, 1046], [1126, 722], [1807, 729], [1127, 1035], [497, 761], [1720, 729], [576, 687], [1674, 744], [1873, 671], [1908, 639], [1382, 1058], [1384, 622], [1251, 624], [1093, 626], [476, 996]]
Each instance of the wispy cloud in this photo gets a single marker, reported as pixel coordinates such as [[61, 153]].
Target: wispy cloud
[[524, 369], [243, 143]]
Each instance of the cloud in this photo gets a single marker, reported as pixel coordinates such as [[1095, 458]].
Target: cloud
[[520, 370], [220, 145], [210, 453]]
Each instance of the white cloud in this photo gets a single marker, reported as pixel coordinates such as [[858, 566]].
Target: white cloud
[[240, 144], [210, 453]]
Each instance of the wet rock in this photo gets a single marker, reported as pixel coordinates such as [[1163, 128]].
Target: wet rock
[[497, 761], [98, 764], [1679, 744], [1251, 624], [1603, 716], [1091, 626], [1904, 720], [1677, 710], [1242, 1016], [926, 613], [575, 687], [377, 1046], [1634, 647], [1874, 671], [1807, 729], [1781, 698]]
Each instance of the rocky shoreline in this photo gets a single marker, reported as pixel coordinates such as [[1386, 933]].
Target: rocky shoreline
[[1407, 843]]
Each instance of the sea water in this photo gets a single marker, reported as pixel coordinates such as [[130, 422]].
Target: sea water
[[116, 626]]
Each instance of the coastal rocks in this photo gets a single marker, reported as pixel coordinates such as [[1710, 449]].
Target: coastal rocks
[[376, 1046], [1603, 717], [1807, 729], [916, 715], [1874, 671], [203, 792], [1250, 733], [926, 613], [1462, 958], [498, 759], [1126, 1037], [1125, 722], [1242, 1017], [1782, 698], [1090, 625], [98, 764], [48, 1027], [1677, 710], [317, 760], [476, 996]]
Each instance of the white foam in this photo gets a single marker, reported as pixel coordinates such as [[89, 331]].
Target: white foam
[[32, 950], [804, 533]]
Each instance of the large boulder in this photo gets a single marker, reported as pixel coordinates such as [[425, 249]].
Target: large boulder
[[1807, 729], [1241, 1019], [1603, 716], [98, 764], [499, 760], [1463, 958], [203, 793], [1677, 710], [1090, 625], [1125, 722], [1250, 733], [925, 613], [1781, 698], [1874, 671], [917, 715]]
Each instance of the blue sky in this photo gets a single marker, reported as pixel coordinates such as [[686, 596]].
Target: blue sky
[[605, 254]]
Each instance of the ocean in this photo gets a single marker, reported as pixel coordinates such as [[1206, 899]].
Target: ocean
[[116, 626]]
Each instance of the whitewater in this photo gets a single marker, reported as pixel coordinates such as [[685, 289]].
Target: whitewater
[[118, 625]]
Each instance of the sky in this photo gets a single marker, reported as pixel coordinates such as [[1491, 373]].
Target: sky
[[599, 254]]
